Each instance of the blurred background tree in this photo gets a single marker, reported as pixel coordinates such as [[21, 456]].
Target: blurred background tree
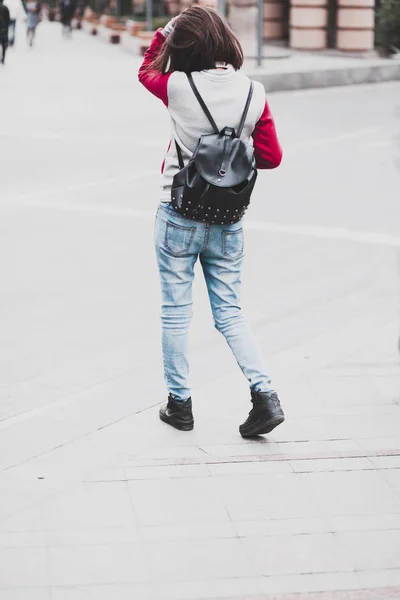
[[388, 34]]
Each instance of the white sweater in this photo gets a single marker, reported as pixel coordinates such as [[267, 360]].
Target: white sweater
[[225, 93]]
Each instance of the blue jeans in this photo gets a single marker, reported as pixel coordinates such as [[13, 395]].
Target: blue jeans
[[179, 243]]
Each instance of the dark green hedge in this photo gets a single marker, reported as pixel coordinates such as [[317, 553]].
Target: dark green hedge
[[388, 28]]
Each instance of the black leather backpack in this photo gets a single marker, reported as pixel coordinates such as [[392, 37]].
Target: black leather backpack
[[216, 184]]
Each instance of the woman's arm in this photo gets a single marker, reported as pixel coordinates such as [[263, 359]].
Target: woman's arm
[[154, 81], [267, 149]]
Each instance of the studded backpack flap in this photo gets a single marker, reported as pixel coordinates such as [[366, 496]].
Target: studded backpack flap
[[216, 184]]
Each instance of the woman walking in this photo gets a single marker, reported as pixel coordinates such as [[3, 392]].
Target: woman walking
[[67, 12], [4, 25], [32, 19], [193, 65]]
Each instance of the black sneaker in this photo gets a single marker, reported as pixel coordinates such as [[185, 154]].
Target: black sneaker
[[178, 414], [265, 415]]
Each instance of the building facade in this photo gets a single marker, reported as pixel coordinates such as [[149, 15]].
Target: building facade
[[346, 25]]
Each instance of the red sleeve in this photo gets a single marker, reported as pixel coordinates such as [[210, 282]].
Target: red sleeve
[[154, 81], [267, 149]]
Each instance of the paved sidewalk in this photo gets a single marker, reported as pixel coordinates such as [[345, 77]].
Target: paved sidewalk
[[140, 510], [99, 500], [311, 70]]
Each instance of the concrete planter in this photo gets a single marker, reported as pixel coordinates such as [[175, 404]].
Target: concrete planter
[[117, 27], [144, 38], [135, 27], [109, 35], [91, 26], [107, 20]]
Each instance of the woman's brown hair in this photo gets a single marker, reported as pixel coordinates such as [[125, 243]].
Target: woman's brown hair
[[200, 39]]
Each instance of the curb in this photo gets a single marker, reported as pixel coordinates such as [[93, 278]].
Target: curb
[[284, 82]]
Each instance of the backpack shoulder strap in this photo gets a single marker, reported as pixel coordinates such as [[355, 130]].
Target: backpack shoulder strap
[[246, 110], [202, 103], [180, 157]]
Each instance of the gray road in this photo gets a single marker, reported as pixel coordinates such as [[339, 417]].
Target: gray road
[[98, 498]]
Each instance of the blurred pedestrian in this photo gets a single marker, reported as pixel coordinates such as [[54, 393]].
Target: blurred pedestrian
[[193, 65], [80, 11], [4, 25], [16, 13], [33, 15], [67, 10]]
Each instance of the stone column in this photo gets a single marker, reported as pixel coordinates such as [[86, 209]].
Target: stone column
[[308, 24], [243, 17], [355, 25], [172, 7], [274, 16]]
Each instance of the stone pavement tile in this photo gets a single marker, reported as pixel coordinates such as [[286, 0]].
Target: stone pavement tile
[[116, 591], [17, 495], [177, 501], [150, 457], [313, 428], [61, 382], [366, 426], [256, 497], [310, 428], [68, 464], [166, 472], [318, 447], [392, 478], [276, 527], [188, 531], [125, 534], [379, 444], [370, 550], [79, 565], [244, 588], [281, 555], [91, 409], [308, 583], [31, 593], [23, 440], [269, 446], [386, 462], [87, 507], [247, 468], [37, 539], [190, 560], [339, 493], [381, 410], [262, 448], [331, 464], [224, 428], [22, 539], [261, 588], [378, 579], [23, 566], [349, 390], [298, 399], [109, 474], [364, 522]]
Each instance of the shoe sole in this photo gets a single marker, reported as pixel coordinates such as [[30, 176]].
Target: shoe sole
[[262, 427], [181, 425]]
